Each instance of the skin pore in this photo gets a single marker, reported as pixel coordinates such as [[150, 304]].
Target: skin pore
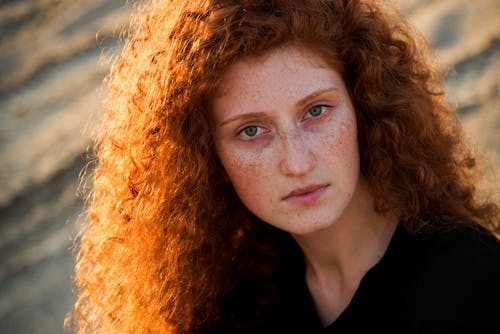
[[286, 137]]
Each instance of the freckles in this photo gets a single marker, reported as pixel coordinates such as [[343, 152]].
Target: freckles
[[251, 178], [244, 168], [343, 144]]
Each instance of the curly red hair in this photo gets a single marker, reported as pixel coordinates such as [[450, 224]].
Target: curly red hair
[[167, 237]]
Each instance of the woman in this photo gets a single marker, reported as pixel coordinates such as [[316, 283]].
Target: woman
[[282, 166]]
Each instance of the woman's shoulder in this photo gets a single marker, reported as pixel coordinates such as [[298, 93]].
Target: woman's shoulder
[[458, 286], [459, 246]]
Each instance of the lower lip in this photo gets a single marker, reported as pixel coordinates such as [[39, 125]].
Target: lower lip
[[307, 198]]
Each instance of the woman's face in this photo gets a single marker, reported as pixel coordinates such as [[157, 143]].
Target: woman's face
[[286, 136]]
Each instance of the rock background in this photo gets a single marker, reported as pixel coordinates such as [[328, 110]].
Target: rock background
[[51, 71]]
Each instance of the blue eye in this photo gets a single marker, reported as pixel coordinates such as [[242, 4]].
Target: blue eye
[[316, 111], [250, 131]]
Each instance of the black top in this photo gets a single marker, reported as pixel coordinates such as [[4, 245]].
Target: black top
[[447, 282]]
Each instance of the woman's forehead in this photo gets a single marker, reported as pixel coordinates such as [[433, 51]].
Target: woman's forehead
[[282, 58]]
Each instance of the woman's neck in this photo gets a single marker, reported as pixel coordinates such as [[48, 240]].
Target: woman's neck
[[339, 256]]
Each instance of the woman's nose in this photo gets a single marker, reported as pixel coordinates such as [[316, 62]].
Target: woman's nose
[[297, 158]]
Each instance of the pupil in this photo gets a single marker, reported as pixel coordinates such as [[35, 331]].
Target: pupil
[[251, 131], [315, 111]]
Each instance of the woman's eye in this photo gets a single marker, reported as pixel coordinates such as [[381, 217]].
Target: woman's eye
[[316, 111], [250, 131]]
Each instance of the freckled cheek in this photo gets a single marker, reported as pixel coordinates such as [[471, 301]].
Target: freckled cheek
[[343, 146], [249, 173]]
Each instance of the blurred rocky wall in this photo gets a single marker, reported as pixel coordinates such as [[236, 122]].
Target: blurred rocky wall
[[51, 70]]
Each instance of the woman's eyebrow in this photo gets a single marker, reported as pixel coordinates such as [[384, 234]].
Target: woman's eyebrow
[[250, 115], [314, 94], [260, 114]]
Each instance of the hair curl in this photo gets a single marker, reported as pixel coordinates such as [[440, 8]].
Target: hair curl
[[167, 238]]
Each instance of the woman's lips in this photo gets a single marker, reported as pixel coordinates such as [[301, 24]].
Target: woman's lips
[[307, 195]]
